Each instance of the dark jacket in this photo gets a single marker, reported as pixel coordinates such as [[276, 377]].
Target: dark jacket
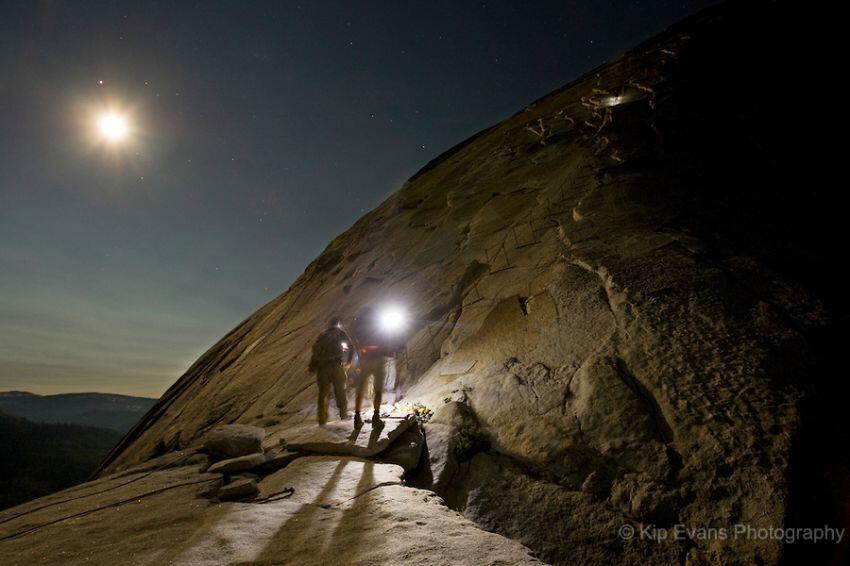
[[371, 341], [334, 345]]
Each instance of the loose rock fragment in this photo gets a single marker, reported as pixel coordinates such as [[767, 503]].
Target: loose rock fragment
[[231, 441], [238, 464]]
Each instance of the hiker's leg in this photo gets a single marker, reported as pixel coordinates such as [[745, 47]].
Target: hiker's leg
[[339, 392], [324, 389], [360, 385], [379, 375]]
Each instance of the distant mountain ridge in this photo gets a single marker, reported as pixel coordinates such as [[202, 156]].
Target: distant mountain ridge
[[104, 410]]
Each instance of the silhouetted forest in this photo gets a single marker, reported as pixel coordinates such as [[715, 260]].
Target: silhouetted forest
[[38, 458]]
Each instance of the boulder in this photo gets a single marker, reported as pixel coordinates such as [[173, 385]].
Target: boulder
[[453, 413], [441, 463], [238, 464], [277, 459], [342, 438], [241, 488], [245, 475], [233, 440], [443, 439], [406, 450]]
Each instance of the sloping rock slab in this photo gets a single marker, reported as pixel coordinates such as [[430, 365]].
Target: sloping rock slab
[[342, 438], [111, 493], [388, 525], [185, 457], [329, 480], [238, 464], [233, 440]]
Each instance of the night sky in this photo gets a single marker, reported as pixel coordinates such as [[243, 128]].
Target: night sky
[[258, 132]]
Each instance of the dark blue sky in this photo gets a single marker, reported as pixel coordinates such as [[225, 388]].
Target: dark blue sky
[[261, 131]]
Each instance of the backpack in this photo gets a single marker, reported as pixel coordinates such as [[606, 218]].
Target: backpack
[[372, 342], [328, 346]]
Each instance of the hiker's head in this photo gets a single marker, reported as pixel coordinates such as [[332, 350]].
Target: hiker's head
[[334, 322]]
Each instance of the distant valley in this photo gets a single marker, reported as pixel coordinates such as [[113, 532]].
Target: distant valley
[[104, 410], [52, 442]]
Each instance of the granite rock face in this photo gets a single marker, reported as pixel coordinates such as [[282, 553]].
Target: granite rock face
[[630, 288]]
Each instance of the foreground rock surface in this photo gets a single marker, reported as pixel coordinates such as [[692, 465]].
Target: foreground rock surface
[[325, 480], [341, 511]]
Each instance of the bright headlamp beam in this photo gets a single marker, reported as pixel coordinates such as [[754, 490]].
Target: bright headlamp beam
[[392, 319]]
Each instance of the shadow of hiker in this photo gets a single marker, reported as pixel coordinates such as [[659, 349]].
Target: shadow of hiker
[[350, 533], [264, 532], [352, 438], [374, 436], [310, 534]]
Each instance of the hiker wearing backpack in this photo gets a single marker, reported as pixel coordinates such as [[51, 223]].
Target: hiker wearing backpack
[[374, 351], [332, 354]]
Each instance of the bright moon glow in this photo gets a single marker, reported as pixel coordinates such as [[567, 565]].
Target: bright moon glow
[[392, 319], [113, 127]]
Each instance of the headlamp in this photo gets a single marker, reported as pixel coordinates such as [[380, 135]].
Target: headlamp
[[392, 319]]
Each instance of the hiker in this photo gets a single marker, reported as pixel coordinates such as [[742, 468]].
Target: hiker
[[332, 354], [374, 350]]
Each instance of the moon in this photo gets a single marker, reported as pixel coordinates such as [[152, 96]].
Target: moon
[[113, 127]]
